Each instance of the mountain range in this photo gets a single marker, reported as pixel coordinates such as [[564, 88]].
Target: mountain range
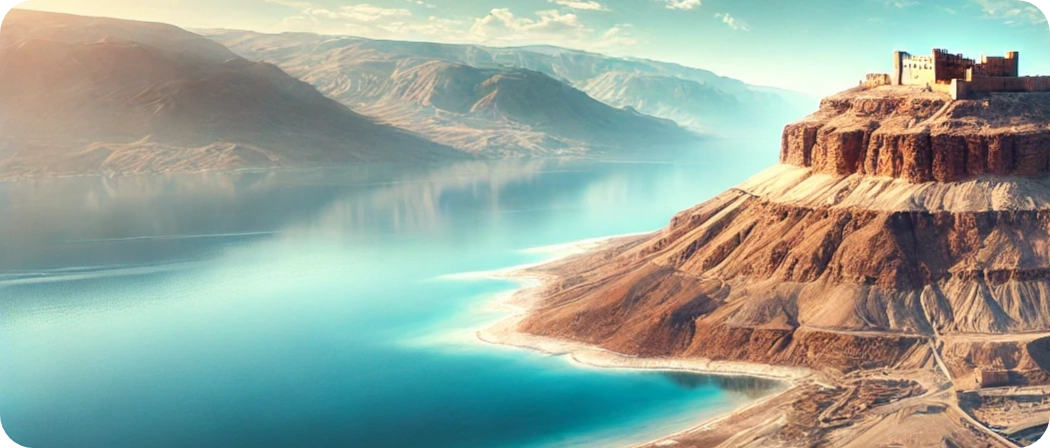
[[370, 76], [92, 95], [88, 95], [457, 95]]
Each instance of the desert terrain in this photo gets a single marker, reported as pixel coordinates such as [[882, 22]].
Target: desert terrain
[[894, 263]]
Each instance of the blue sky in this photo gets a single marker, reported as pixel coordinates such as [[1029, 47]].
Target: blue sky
[[818, 46]]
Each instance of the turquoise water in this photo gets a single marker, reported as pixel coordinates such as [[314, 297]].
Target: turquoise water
[[314, 308]]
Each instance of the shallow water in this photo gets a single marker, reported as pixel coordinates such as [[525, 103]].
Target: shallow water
[[315, 308]]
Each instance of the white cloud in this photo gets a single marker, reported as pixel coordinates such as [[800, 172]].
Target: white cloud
[[733, 22], [581, 5], [290, 3], [682, 5], [421, 3], [898, 3], [503, 25], [618, 36], [1012, 11], [499, 27], [369, 13]]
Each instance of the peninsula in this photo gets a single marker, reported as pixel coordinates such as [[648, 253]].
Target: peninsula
[[894, 268]]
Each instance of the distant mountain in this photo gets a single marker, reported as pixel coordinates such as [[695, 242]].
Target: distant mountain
[[697, 99], [689, 103], [94, 95], [458, 95]]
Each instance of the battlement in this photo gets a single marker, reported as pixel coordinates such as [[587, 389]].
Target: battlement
[[960, 76]]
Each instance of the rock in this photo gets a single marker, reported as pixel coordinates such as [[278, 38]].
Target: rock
[[922, 137], [902, 244]]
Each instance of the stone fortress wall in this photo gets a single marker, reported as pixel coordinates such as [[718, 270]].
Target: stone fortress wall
[[959, 76]]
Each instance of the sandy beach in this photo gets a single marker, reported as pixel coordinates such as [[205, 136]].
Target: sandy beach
[[531, 285]]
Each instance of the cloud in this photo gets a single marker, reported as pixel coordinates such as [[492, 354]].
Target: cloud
[[422, 3], [369, 13], [682, 5], [898, 3], [733, 22], [581, 5], [290, 3], [502, 25], [618, 37], [1012, 12], [499, 27]]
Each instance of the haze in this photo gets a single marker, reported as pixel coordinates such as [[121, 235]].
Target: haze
[[772, 43]]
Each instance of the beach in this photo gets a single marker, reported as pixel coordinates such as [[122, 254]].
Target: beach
[[532, 283]]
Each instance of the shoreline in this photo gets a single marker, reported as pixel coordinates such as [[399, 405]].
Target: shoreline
[[520, 301]]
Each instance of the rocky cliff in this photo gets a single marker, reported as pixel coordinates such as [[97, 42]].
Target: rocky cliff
[[902, 232], [922, 137]]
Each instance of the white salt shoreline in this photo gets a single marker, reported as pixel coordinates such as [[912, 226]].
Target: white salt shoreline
[[520, 301]]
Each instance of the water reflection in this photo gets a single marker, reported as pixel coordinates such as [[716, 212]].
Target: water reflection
[[97, 221]]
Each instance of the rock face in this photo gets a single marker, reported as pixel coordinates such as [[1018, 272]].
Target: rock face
[[922, 137], [902, 232], [82, 95]]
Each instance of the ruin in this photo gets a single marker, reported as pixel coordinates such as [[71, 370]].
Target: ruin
[[959, 76]]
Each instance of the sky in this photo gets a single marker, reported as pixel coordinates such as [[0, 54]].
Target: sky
[[812, 46]]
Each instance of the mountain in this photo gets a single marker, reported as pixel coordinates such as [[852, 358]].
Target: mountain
[[697, 99], [692, 104], [458, 95], [737, 108], [94, 95], [900, 254]]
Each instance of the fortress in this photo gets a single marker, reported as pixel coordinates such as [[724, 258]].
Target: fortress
[[962, 78]]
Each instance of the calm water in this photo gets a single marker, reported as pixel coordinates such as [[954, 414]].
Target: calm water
[[313, 308]]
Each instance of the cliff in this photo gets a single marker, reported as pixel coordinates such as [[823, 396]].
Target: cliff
[[904, 235], [923, 136]]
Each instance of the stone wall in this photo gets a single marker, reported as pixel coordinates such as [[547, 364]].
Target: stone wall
[[873, 80], [913, 70], [950, 66], [940, 69], [998, 66], [963, 89]]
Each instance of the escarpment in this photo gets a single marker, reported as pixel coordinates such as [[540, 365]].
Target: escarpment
[[921, 137], [902, 230]]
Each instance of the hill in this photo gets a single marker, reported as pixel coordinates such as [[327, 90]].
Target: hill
[[458, 95], [92, 95]]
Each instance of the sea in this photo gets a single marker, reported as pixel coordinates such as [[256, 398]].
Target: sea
[[329, 307]]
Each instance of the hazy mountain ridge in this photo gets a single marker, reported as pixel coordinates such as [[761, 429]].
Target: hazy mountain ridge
[[691, 104], [751, 106], [92, 95], [458, 95]]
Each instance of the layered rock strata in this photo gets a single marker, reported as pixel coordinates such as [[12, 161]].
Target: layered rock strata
[[921, 137], [902, 232]]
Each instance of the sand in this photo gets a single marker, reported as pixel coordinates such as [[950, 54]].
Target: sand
[[531, 284]]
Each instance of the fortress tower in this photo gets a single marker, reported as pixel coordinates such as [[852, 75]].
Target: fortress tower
[[958, 75]]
